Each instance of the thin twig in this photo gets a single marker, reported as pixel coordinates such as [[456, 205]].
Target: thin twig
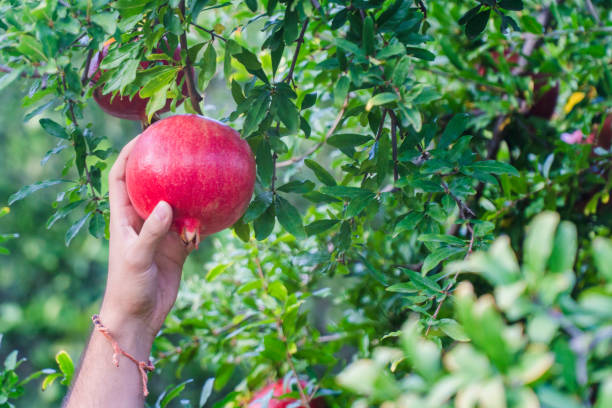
[[212, 33], [84, 77], [74, 120], [316, 4], [331, 131], [8, 70], [394, 145], [593, 11], [300, 41], [194, 96]]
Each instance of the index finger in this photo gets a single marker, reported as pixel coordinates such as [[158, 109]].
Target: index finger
[[117, 191]]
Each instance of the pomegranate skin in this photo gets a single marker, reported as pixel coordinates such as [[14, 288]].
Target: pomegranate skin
[[121, 106], [201, 167], [278, 390]]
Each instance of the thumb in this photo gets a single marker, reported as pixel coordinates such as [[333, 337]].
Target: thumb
[[153, 230]]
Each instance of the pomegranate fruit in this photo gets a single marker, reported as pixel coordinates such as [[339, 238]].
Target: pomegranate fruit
[[278, 390], [199, 166], [121, 106]]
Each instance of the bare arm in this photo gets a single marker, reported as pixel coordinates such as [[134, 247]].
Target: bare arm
[[145, 265]]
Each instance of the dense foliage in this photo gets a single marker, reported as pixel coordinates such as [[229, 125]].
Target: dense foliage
[[395, 142]]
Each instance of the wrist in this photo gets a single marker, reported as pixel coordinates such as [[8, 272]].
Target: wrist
[[132, 334]]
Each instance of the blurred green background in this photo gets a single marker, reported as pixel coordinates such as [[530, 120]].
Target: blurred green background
[[49, 291]]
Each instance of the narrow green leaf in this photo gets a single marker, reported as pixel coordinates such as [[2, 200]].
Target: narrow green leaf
[[477, 24], [216, 271], [289, 217], [494, 167], [207, 389], [66, 366], [381, 99], [433, 259], [319, 226], [455, 127], [75, 228], [54, 129], [27, 190], [264, 224], [320, 172]]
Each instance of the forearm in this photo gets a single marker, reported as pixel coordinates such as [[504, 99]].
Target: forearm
[[99, 383]]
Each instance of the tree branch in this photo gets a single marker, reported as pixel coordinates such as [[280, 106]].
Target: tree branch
[[212, 33], [593, 11], [330, 132], [300, 41], [194, 96], [394, 145]]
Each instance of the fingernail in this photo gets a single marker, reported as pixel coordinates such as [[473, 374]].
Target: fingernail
[[161, 211]]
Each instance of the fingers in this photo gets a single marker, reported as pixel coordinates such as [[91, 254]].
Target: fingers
[[152, 233], [117, 191], [123, 214]]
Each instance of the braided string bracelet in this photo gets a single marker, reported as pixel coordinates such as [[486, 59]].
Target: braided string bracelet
[[143, 367]]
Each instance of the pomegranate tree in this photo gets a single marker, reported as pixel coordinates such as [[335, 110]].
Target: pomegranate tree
[[201, 167]]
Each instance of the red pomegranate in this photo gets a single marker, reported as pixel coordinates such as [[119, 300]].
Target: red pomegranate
[[201, 167], [121, 106], [278, 390]]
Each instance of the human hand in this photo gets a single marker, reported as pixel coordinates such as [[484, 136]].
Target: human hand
[[145, 262]]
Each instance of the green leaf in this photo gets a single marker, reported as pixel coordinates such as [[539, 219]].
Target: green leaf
[[319, 226], [168, 395], [108, 21], [257, 207], [348, 140], [602, 251], [207, 389], [264, 224], [161, 77], [27, 190], [265, 162], [477, 24], [49, 380], [391, 50], [421, 281], [274, 349], [469, 15], [309, 100], [288, 114], [75, 228], [54, 129], [344, 191], [421, 53], [8, 79], [341, 89], [31, 48], [453, 329], [381, 99], [289, 217], [564, 249], [252, 4], [297, 186], [409, 222], [538, 244], [494, 167], [320, 172], [368, 35], [97, 225], [358, 204], [66, 366], [10, 362], [157, 102], [455, 128], [433, 259], [216, 271]]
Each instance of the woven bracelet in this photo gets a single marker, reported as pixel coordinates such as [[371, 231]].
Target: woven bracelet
[[143, 367]]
